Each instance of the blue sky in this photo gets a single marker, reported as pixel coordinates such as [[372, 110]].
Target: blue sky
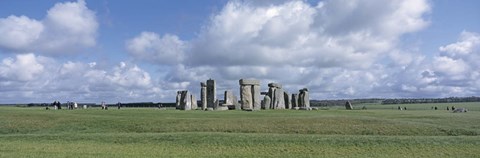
[[93, 51]]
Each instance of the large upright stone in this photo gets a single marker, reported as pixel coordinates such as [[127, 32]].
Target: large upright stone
[[185, 101], [250, 94], [194, 102], [266, 102], [177, 101], [304, 98], [203, 95], [247, 98], [294, 100], [288, 100], [231, 100], [271, 94], [275, 92], [280, 99], [256, 97], [348, 106], [211, 93]]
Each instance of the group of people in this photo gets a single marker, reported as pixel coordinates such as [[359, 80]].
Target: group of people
[[57, 105], [400, 108]]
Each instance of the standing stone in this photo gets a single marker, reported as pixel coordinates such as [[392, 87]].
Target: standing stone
[[304, 98], [276, 94], [228, 97], [194, 102], [294, 100], [177, 102], [203, 95], [271, 94], [266, 102], [300, 99], [231, 100], [280, 99], [250, 94], [186, 101], [247, 98], [211, 93], [256, 97], [288, 100], [216, 104], [348, 105]]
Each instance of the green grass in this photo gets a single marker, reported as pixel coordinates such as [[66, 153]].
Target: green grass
[[377, 132]]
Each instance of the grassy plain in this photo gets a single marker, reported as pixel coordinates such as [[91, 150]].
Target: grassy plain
[[376, 132]]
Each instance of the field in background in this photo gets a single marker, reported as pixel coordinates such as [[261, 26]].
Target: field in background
[[376, 132]]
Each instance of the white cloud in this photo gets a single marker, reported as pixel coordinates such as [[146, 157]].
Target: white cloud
[[28, 77], [334, 47], [148, 46], [19, 32], [67, 27], [23, 68]]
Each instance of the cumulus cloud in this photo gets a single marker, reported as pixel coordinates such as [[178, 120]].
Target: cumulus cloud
[[333, 47], [29, 77], [149, 46], [67, 27], [23, 68]]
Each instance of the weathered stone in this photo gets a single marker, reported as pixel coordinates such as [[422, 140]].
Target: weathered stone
[[247, 98], [314, 108], [271, 94], [296, 108], [256, 97], [458, 110], [348, 106], [186, 101], [288, 100], [279, 99], [194, 102], [231, 100], [221, 108], [203, 95], [294, 100], [209, 109], [250, 94], [266, 102], [249, 82], [275, 85], [177, 101], [217, 104], [211, 93], [304, 98], [300, 99]]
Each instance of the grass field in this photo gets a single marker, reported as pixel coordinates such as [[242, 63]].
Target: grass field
[[376, 132]]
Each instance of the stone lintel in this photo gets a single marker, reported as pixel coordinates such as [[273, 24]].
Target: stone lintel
[[249, 82], [276, 85]]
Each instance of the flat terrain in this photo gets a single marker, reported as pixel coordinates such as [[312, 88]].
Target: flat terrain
[[380, 131]]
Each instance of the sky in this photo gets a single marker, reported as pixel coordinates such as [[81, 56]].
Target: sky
[[146, 50]]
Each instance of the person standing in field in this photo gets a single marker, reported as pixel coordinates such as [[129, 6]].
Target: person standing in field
[[119, 105]]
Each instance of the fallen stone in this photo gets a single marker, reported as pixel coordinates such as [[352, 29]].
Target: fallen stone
[[222, 108], [459, 110]]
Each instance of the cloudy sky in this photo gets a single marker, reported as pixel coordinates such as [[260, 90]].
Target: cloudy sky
[[133, 51]]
